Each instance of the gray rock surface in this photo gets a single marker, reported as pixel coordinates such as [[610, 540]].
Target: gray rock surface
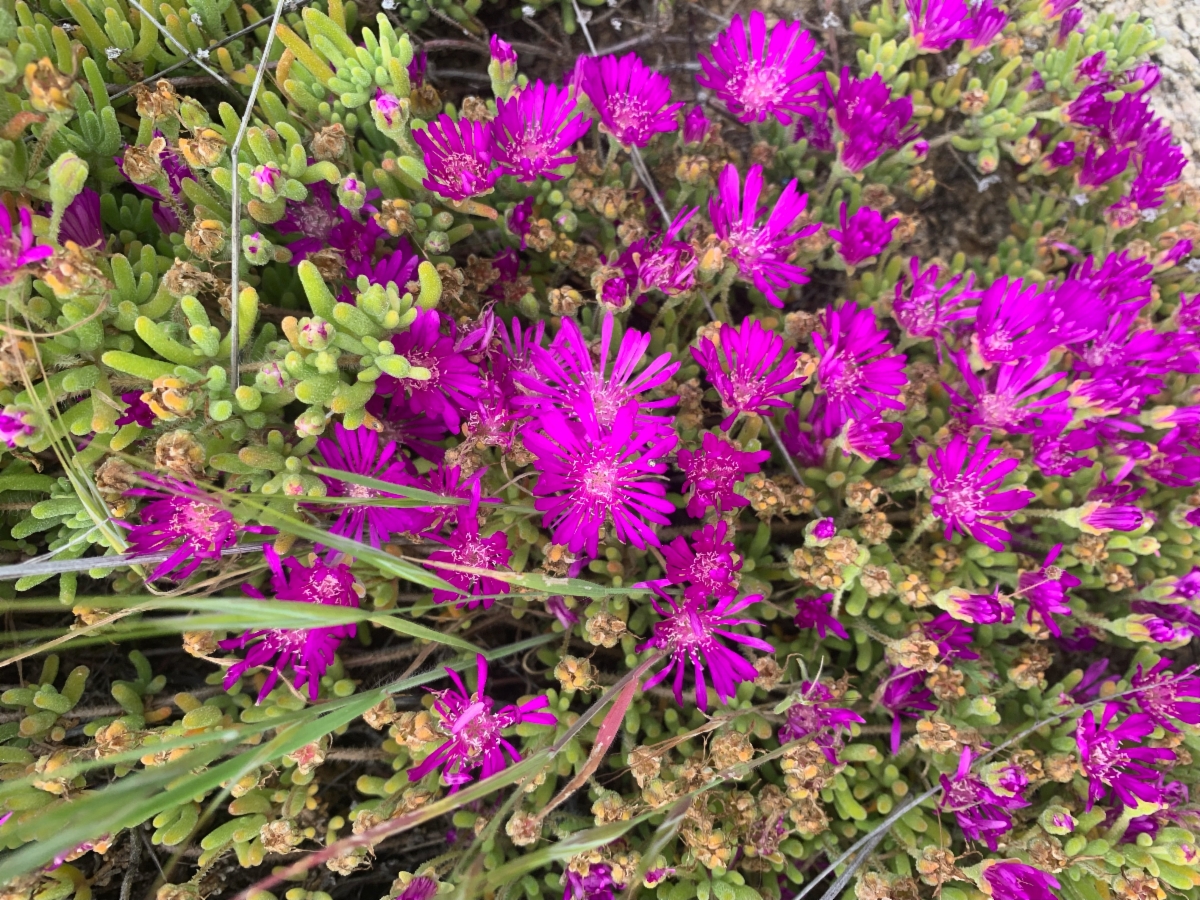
[[1177, 97]]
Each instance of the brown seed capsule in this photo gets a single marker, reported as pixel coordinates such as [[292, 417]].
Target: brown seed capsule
[[179, 453], [169, 398], [48, 89], [381, 714], [604, 630], [308, 757], [71, 273], [199, 643], [206, 238], [644, 763], [280, 836], [158, 104], [426, 102], [475, 109], [330, 142], [973, 101], [524, 828], [876, 580], [730, 748], [395, 217], [575, 674], [204, 151], [1030, 665]]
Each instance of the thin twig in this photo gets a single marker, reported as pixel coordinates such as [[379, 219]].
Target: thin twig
[[235, 202], [787, 457]]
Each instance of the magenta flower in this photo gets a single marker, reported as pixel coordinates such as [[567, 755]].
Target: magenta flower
[[18, 247], [307, 651], [711, 472], [986, 23], [634, 101], [176, 170], [952, 637], [863, 235], [982, 814], [811, 718], [756, 74], [458, 156], [502, 51], [588, 475], [870, 121], [1046, 590], [965, 485], [1008, 879], [936, 24], [749, 368], [181, 513], [1012, 396], [904, 695], [1165, 696], [137, 411], [476, 730], [534, 130], [662, 263], [980, 609], [690, 632], [418, 434], [708, 566], [387, 106], [813, 612], [16, 424], [81, 221], [397, 266], [1009, 321], [566, 376], [597, 884], [467, 548], [1109, 764], [325, 224], [357, 452], [858, 376], [1160, 163], [695, 125], [454, 380], [1100, 168], [871, 438], [760, 251]]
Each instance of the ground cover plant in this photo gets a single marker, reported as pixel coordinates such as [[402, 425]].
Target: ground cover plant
[[595, 449]]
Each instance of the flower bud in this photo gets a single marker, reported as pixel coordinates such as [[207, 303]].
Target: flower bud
[[567, 220], [257, 249], [17, 426], [270, 379], [437, 243], [314, 333], [391, 113], [67, 176], [193, 114], [352, 193], [502, 68], [310, 423], [265, 180]]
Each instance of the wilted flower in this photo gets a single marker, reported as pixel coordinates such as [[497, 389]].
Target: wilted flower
[[904, 695], [813, 612], [1008, 879], [981, 813], [812, 717]]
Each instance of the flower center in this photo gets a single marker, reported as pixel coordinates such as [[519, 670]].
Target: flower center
[[630, 116], [1104, 757], [958, 501], [200, 521], [361, 493], [999, 410], [761, 89], [313, 220]]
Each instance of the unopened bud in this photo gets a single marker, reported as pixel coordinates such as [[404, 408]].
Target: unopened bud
[[67, 176], [310, 423], [314, 333], [437, 243], [257, 248], [352, 193], [503, 67], [193, 114]]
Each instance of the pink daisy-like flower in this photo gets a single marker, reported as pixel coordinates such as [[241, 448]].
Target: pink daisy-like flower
[[871, 438], [358, 452], [476, 730], [708, 566], [711, 472], [965, 490], [567, 377], [749, 368], [863, 235], [533, 130], [18, 247], [1168, 697], [1009, 879], [812, 718], [858, 375], [588, 475], [982, 814], [759, 74], [905, 696], [307, 651], [813, 612], [467, 548], [634, 101], [870, 121], [1046, 588], [453, 382], [690, 632], [1117, 759], [760, 248], [926, 310], [185, 515], [1013, 397], [936, 24], [458, 156]]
